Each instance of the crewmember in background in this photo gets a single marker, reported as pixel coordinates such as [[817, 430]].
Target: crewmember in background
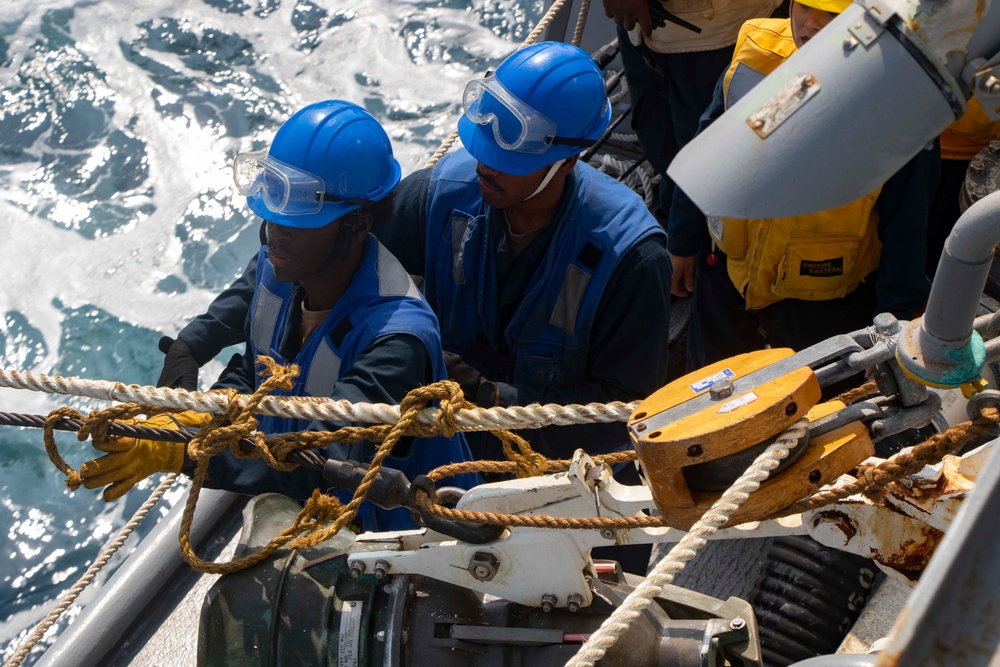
[[792, 282], [549, 278], [327, 297], [960, 142], [673, 52]]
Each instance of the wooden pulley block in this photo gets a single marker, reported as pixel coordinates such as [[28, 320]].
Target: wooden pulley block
[[695, 436]]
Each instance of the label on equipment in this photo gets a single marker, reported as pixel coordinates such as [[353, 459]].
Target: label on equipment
[[702, 385], [745, 399], [349, 639]]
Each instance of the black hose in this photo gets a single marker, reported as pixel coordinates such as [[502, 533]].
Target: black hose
[[807, 599], [123, 430]]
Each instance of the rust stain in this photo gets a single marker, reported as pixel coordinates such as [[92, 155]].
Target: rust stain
[[840, 520], [912, 554]]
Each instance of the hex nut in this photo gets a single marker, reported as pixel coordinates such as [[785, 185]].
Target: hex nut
[[483, 566]]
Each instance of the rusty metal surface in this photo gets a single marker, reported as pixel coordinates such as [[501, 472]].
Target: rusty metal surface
[[875, 532], [951, 619]]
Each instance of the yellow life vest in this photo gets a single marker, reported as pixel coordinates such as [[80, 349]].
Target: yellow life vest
[[813, 257], [969, 134]]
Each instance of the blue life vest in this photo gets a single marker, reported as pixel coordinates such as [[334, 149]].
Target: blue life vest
[[381, 300], [546, 342]]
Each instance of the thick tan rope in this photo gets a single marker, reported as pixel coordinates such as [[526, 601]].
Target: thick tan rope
[[522, 461], [581, 22], [311, 525], [874, 479], [102, 559], [73, 479]]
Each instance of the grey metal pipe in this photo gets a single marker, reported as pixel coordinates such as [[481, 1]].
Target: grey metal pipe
[[941, 348], [132, 592], [962, 272]]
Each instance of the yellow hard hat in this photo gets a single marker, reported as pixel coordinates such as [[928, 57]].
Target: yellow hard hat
[[834, 6]]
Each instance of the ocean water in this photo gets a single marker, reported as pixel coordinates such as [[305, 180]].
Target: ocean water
[[118, 217]]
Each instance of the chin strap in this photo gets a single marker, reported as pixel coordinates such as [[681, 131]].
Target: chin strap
[[545, 181]]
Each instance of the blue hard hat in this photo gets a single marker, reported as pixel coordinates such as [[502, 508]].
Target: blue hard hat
[[327, 160], [545, 102]]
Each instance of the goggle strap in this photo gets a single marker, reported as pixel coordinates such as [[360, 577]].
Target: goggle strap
[[572, 141], [326, 196]]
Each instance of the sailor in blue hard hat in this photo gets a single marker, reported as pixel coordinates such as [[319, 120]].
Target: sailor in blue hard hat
[[325, 163], [327, 297], [544, 105], [548, 276]]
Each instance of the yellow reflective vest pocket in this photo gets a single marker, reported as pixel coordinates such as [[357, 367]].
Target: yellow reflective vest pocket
[[812, 257]]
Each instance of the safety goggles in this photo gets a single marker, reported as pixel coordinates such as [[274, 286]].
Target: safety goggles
[[285, 189], [516, 126]]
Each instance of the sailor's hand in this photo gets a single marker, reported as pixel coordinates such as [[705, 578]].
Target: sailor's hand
[[179, 366], [131, 460], [630, 13], [467, 377], [682, 279]]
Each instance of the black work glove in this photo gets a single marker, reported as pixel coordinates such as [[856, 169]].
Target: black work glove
[[180, 370], [467, 377]]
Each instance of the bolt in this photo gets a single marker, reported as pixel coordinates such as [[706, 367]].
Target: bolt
[[758, 124], [574, 601], [640, 427], [381, 569], [850, 43], [380, 635], [357, 569], [991, 85], [886, 323], [737, 623], [548, 602], [721, 389], [609, 533], [483, 566]]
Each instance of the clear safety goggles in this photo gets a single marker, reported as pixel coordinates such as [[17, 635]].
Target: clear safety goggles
[[516, 126], [285, 189]]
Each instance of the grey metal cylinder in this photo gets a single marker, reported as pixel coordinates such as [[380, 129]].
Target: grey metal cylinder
[[961, 274], [819, 155]]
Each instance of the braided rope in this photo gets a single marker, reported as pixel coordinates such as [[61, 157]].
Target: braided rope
[[102, 559], [310, 527], [615, 625], [468, 419], [581, 22], [875, 478]]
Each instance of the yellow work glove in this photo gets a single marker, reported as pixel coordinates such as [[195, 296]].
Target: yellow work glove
[[130, 460]]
